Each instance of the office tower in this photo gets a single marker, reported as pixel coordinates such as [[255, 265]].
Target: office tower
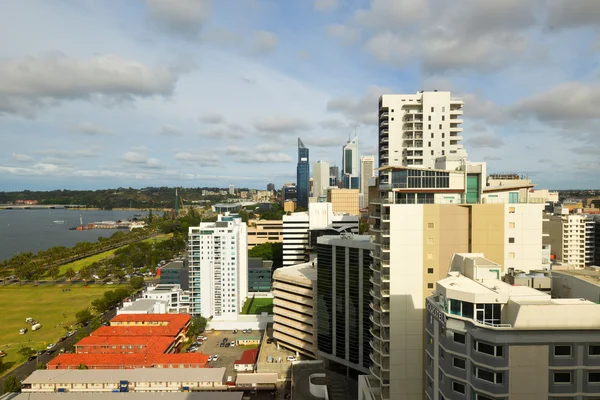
[[572, 238], [271, 187], [422, 217], [302, 175], [320, 178], [218, 254], [415, 129], [259, 275], [367, 165], [344, 200], [319, 219], [231, 190], [350, 166], [289, 192], [486, 339], [343, 289], [293, 308], [334, 176]]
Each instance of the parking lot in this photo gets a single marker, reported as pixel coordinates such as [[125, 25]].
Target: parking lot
[[227, 355], [270, 349]]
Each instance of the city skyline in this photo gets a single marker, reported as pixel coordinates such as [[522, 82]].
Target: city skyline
[[206, 93]]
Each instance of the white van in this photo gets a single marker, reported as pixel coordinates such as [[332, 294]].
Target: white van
[[29, 320]]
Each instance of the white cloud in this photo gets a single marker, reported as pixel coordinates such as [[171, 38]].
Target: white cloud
[[569, 14], [184, 18], [212, 118], [281, 125], [264, 42], [265, 153], [325, 5], [169, 130], [485, 140], [21, 157], [324, 141], [230, 131], [384, 14], [362, 109], [344, 33], [137, 156], [86, 128], [201, 158]]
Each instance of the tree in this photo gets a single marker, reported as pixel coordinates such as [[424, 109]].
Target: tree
[[54, 272], [80, 335], [41, 365], [82, 366], [11, 385], [70, 273], [26, 351], [136, 282], [96, 323], [85, 273], [100, 305], [197, 326], [83, 316]]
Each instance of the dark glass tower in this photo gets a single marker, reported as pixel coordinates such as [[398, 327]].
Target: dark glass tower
[[302, 175]]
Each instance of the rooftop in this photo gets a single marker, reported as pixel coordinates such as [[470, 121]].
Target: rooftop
[[265, 377], [148, 330], [174, 265], [131, 360], [305, 271], [142, 305], [179, 319], [153, 344], [248, 357], [131, 375], [126, 396], [588, 275]]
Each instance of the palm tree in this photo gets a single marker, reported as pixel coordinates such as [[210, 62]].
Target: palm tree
[[70, 274]]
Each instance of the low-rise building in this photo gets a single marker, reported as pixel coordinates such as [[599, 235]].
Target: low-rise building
[[125, 380], [264, 231], [257, 381], [247, 362], [487, 339], [178, 300], [294, 308], [175, 273], [248, 340]]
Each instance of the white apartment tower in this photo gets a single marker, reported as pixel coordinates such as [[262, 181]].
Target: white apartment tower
[[320, 178], [572, 238], [367, 166], [415, 129], [218, 264]]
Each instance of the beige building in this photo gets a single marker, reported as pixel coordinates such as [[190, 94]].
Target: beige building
[[572, 238], [367, 168], [344, 200], [289, 206], [264, 231], [294, 308], [487, 339]]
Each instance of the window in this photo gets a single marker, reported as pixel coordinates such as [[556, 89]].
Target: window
[[443, 109], [511, 240], [432, 136], [511, 225], [459, 338], [594, 350], [511, 254], [488, 349], [443, 144], [430, 241], [459, 362], [429, 118], [428, 126], [429, 339], [562, 351], [431, 109], [442, 353], [440, 126], [392, 118], [443, 135], [430, 286], [430, 225], [562, 377], [443, 117], [430, 271], [458, 387], [430, 256], [511, 210], [431, 152], [594, 377]]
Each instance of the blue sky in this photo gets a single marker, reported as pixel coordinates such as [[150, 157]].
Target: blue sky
[[99, 94]]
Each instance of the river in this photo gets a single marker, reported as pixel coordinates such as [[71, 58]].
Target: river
[[35, 230]]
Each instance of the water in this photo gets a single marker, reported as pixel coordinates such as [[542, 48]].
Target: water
[[35, 230]]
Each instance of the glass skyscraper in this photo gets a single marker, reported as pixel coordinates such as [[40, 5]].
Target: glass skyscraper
[[302, 175]]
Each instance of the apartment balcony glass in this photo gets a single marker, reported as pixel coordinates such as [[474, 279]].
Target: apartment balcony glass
[[383, 115], [384, 124], [384, 140]]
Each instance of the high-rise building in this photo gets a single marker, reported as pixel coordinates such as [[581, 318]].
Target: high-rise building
[[218, 264], [343, 287], [320, 178], [344, 200], [289, 191], [231, 190], [415, 129], [367, 166], [334, 176], [422, 217], [350, 165], [319, 219], [302, 175], [259, 275], [487, 339], [271, 187], [572, 238]]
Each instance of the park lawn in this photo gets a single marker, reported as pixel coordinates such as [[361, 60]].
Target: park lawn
[[258, 306], [79, 264], [45, 304]]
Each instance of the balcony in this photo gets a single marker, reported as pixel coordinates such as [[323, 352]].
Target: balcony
[[385, 278], [384, 148], [376, 371], [375, 307], [384, 140], [375, 294], [383, 132], [456, 120], [455, 129], [384, 246], [375, 319], [376, 358], [375, 267], [385, 306], [384, 124], [374, 281], [383, 115], [385, 292], [385, 232], [456, 111], [384, 320]]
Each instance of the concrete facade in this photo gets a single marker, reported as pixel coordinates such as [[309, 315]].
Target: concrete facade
[[572, 238], [265, 231], [367, 168], [344, 201], [320, 178]]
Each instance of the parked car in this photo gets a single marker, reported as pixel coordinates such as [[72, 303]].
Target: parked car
[[215, 358], [245, 331], [210, 358], [51, 345], [222, 344], [232, 343], [2, 354], [106, 323], [291, 358], [226, 344], [31, 358], [225, 340], [39, 353], [249, 330], [235, 331], [29, 320], [22, 331]]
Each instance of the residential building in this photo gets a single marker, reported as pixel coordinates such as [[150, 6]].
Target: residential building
[[572, 238], [125, 380], [297, 227], [320, 178], [264, 231], [259, 275], [344, 200], [177, 299], [415, 129], [422, 217], [350, 167], [486, 339], [218, 258], [271, 187], [231, 190], [247, 362], [176, 273], [302, 175], [367, 165], [334, 176], [294, 308], [344, 293]]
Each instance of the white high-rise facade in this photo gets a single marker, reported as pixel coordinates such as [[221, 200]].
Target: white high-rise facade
[[415, 129], [218, 264], [350, 166], [367, 166], [320, 178]]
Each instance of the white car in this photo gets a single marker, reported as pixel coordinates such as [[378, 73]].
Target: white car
[[22, 331], [50, 346], [210, 358], [291, 358], [215, 358]]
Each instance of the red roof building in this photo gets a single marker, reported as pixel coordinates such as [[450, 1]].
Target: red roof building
[[129, 361], [124, 345], [247, 362]]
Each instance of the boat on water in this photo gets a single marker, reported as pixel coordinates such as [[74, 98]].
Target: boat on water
[[59, 222]]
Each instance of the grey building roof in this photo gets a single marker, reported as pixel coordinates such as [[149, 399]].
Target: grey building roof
[[131, 375], [265, 377], [142, 305], [127, 396]]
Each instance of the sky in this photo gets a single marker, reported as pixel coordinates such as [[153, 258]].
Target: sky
[[105, 93]]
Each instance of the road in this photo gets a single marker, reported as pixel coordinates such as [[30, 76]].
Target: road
[[25, 369]]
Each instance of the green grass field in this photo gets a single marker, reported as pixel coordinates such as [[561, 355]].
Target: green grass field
[[77, 265], [258, 306], [50, 306]]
